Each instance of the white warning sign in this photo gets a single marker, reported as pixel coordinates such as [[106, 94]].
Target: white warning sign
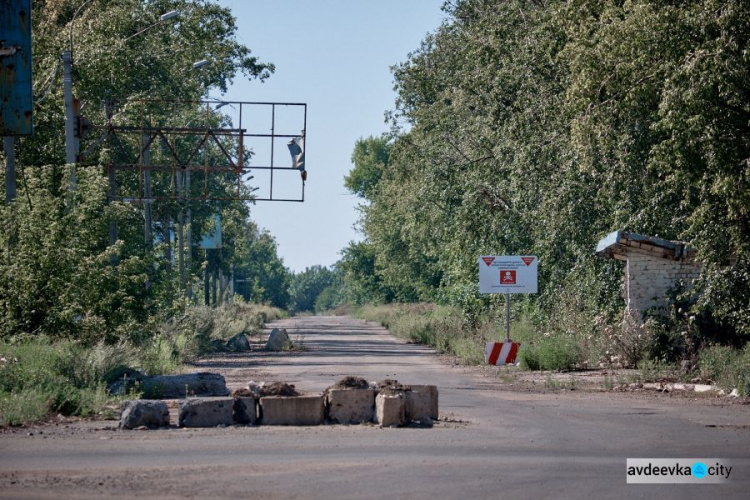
[[508, 274]]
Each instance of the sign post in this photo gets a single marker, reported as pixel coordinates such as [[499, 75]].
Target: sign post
[[506, 274]]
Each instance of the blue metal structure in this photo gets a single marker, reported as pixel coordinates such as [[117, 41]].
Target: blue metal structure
[[16, 98]]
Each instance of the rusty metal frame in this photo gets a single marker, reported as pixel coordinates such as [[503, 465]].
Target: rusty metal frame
[[116, 134]]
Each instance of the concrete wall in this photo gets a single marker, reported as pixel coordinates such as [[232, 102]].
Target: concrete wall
[[649, 277]]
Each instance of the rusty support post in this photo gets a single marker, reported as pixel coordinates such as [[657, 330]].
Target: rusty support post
[[10, 169]]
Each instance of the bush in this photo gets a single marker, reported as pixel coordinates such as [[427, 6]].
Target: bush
[[444, 328], [726, 367], [554, 352], [38, 377]]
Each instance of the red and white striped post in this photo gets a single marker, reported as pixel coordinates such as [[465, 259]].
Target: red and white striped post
[[501, 353]]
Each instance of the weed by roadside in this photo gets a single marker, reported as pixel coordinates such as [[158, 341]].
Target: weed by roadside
[[726, 367], [553, 352], [40, 376], [442, 327], [550, 383], [563, 348]]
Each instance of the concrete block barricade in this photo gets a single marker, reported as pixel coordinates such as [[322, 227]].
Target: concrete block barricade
[[390, 408], [350, 401], [144, 413], [206, 412], [350, 405], [184, 385], [245, 410], [292, 410], [421, 404]]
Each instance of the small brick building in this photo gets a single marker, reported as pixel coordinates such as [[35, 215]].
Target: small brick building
[[653, 267]]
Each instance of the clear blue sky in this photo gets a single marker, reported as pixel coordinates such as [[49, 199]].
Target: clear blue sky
[[335, 55]]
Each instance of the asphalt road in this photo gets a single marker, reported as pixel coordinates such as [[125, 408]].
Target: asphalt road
[[495, 440]]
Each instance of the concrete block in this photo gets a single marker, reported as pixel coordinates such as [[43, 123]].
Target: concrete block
[[350, 406], [297, 410], [278, 340], [421, 403], [238, 343], [184, 385], [206, 412], [390, 409], [245, 410], [141, 412]]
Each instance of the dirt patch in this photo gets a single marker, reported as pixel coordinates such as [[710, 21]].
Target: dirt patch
[[278, 389], [350, 382], [391, 387], [242, 393]]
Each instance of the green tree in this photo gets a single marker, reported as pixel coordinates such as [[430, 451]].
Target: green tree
[[537, 127], [370, 159], [257, 264], [306, 286], [84, 295]]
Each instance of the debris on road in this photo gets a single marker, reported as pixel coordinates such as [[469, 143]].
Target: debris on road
[[144, 413], [206, 412], [184, 385], [390, 408], [238, 343], [352, 400], [297, 410], [278, 340]]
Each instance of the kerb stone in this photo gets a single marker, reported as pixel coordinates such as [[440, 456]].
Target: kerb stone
[[421, 403], [206, 412], [390, 409], [141, 412], [297, 410], [350, 406]]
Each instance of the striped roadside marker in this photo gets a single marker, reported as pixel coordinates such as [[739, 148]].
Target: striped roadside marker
[[501, 353]]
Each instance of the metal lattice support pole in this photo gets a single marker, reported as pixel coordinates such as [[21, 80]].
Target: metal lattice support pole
[[206, 287], [71, 141], [10, 169], [112, 222], [189, 235], [181, 248], [146, 161]]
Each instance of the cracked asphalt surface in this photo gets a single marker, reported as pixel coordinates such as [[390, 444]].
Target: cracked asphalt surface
[[495, 439]]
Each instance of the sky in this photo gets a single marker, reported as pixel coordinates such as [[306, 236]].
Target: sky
[[334, 55]]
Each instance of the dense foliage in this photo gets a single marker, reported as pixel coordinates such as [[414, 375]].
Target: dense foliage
[[537, 127], [60, 273], [306, 287]]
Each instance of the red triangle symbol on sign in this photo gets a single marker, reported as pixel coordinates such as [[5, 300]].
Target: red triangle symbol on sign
[[527, 260], [488, 260]]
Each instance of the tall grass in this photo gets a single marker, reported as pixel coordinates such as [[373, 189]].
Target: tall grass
[[40, 376], [442, 327], [448, 331], [726, 367]]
